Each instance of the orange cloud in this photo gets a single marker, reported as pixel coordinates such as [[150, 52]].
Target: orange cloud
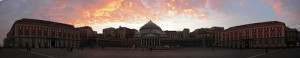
[[241, 4], [89, 12], [289, 10], [277, 6]]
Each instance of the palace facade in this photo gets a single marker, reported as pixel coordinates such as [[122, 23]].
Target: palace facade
[[256, 35], [41, 34]]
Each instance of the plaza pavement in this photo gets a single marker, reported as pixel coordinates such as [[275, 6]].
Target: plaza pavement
[[111, 52]]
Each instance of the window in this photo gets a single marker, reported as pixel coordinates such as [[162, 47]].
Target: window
[[254, 30], [279, 40], [40, 33], [260, 29], [260, 35], [53, 34], [278, 28], [46, 34], [266, 41], [273, 41], [33, 33], [272, 28], [20, 32], [26, 33], [19, 27], [254, 35], [260, 41], [266, 29]]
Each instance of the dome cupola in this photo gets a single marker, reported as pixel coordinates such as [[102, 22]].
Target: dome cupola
[[150, 25]]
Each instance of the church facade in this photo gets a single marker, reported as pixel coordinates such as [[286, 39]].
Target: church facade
[[151, 35]]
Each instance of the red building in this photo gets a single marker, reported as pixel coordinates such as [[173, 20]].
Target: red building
[[39, 33], [256, 35], [87, 32]]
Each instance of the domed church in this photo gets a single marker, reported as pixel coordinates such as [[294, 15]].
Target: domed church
[[150, 35]]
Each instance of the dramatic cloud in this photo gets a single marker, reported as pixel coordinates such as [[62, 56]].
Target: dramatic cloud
[[289, 9], [89, 12]]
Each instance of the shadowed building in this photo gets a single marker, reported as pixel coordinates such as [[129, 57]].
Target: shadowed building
[[88, 37], [256, 35], [174, 34], [151, 35], [109, 32], [39, 33], [292, 37], [120, 33], [209, 36]]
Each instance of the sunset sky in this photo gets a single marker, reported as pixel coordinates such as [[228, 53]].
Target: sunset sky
[[168, 14]]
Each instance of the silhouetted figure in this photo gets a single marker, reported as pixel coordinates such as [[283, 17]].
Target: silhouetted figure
[[68, 49], [150, 49], [0, 49], [213, 49], [102, 47], [27, 49], [71, 49], [241, 48], [266, 49]]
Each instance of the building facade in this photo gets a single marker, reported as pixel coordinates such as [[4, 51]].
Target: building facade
[[41, 34], [210, 36], [88, 37], [120, 33], [151, 35], [109, 32], [292, 37], [216, 33], [256, 35], [186, 33], [174, 34]]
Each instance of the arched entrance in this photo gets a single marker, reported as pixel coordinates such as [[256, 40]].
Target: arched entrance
[[52, 43]]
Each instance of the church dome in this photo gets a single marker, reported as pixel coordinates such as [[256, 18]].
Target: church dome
[[150, 25]]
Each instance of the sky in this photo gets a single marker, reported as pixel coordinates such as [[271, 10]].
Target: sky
[[168, 14]]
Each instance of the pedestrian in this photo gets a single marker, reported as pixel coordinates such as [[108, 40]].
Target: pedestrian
[[266, 49], [68, 49], [150, 49], [71, 49], [27, 49], [241, 48], [0, 49], [213, 49]]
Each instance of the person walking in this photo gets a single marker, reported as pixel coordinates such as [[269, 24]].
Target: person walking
[[71, 49], [0, 49], [267, 50], [27, 49], [150, 49]]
